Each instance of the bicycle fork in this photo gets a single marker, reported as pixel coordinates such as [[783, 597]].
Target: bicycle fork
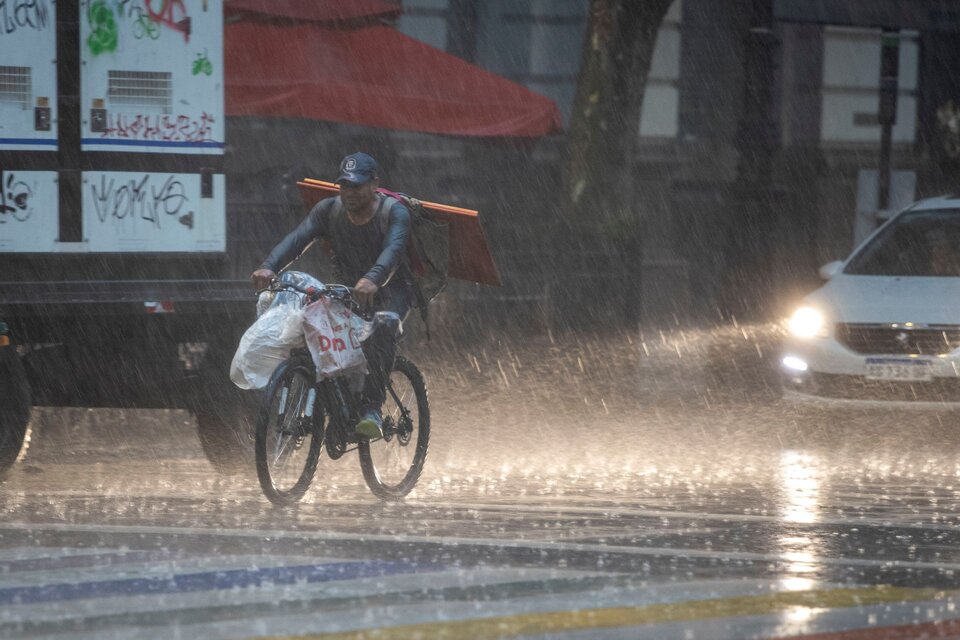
[[308, 409]]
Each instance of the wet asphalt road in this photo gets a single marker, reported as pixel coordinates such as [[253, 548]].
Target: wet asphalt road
[[627, 485]]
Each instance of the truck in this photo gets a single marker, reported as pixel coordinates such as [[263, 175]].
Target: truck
[[120, 282]]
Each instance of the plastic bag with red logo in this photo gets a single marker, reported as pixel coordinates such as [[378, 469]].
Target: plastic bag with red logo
[[334, 335]]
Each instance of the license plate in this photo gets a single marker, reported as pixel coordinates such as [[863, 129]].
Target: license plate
[[904, 369]]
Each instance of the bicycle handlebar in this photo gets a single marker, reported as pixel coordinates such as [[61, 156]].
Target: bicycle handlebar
[[333, 290], [340, 292]]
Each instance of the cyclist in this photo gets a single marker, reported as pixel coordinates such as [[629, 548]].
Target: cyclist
[[368, 245]]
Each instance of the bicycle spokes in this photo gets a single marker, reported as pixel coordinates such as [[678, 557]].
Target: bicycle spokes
[[393, 455], [293, 424], [399, 421]]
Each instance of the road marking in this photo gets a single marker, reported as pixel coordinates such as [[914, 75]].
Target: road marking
[[75, 560], [929, 630], [508, 591], [209, 581], [619, 617], [529, 606], [563, 510], [486, 543]]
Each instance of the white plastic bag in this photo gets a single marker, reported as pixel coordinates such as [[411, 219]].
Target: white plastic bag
[[266, 344], [272, 298], [333, 335]]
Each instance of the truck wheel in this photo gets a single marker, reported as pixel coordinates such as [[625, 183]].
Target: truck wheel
[[15, 405], [225, 418], [223, 436]]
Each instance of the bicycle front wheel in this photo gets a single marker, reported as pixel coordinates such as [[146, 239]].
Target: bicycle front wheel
[[392, 464], [289, 434]]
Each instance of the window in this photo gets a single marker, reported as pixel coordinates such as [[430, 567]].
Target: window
[[661, 100], [922, 243], [851, 86], [426, 20]]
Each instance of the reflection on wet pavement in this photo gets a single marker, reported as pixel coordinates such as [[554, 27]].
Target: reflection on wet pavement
[[642, 485]]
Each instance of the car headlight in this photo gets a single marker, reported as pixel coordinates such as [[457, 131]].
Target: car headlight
[[807, 322]]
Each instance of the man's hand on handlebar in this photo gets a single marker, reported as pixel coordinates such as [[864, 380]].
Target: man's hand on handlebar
[[262, 278], [364, 291]]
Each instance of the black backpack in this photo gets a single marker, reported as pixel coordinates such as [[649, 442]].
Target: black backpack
[[428, 251]]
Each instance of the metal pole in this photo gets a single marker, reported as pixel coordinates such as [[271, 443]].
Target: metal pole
[[889, 68]]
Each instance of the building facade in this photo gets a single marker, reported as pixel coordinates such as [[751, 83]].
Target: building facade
[[758, 155]]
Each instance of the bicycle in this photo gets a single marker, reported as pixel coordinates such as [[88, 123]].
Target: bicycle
[[143, 25], [299, 417]]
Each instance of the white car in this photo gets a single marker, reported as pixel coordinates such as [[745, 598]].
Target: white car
[[886, 326]]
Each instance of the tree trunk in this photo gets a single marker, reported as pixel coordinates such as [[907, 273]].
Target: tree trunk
[[600, 236]]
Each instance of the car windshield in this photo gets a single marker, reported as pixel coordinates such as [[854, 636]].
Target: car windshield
[[918, 243]]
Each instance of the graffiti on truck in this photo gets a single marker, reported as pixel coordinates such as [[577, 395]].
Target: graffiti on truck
[[152, 199], [23, 14], [170, 13], [103, 28], [202, 64], [15, 196], [146, 19], [143, 25], [166, 128]]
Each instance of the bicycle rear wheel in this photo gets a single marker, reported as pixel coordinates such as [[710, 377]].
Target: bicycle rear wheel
[[289, 434], [393, 464]]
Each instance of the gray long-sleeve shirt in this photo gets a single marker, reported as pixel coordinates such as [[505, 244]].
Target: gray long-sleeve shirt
[[373, 250]]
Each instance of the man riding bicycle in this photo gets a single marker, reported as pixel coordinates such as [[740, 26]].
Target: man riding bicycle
[[368, 238]]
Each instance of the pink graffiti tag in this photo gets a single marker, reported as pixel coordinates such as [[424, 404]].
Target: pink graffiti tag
[[167, 128], [171, 13]]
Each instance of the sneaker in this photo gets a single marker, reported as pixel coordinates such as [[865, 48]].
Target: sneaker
[[370, 425]]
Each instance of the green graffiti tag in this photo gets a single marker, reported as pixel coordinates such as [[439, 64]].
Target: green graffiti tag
[[202, 64], [103, 28]]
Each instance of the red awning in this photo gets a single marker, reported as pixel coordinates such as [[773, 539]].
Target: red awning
[[373, 76], [324, 11]]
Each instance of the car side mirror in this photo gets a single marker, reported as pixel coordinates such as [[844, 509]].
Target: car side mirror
[[831, 269]]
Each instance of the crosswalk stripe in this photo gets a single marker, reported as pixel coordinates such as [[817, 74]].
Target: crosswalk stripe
[[619, 617], [931, 630], [481, 543], [80, 561], [209, 580]]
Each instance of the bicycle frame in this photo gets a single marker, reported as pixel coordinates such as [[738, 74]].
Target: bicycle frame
[[340, 408], [340, 411]]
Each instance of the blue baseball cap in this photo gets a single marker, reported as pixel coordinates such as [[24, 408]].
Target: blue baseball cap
[[357, 168]]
